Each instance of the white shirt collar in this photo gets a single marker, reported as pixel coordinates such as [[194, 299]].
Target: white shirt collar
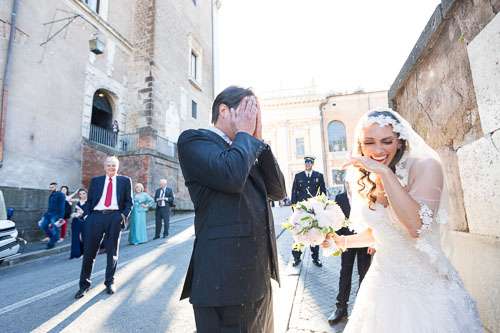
[[219, 133]]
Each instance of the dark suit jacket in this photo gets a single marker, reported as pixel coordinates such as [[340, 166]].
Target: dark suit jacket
[[123, 194], [168, 194], [343, 201], [303, 188], [234, 254]]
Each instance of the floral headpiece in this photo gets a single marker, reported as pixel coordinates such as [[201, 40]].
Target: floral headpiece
[[386, 120]]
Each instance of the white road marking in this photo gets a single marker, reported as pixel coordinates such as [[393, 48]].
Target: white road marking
[[176, 241]]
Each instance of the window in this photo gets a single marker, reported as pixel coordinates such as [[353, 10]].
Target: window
[[336, 137], [93, 4], [299, 147], [194, 109], [194, 64]]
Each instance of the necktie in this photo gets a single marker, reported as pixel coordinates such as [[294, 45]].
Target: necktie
[[162, 203], [109, 193]]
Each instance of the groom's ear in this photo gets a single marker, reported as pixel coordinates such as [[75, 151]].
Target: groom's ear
[[223, 109]]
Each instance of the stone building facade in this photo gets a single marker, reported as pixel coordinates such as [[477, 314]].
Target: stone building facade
[[448, 90], [298, 122], [155, 78]]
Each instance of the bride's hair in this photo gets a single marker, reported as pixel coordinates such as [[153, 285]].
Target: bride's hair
[[365, 174]]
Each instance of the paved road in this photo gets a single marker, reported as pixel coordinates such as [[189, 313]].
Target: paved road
[[38, 295]]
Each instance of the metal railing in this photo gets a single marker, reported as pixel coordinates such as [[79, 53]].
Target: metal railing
[[103, 136], [128, 142], [166, 147]]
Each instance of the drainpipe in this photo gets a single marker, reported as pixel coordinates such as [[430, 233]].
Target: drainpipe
[[327, 173], [6, 80]]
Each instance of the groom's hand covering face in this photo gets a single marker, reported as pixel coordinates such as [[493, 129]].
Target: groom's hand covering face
[[243, 119]]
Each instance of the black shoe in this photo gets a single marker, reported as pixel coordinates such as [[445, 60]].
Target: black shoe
[[296, 262], [317, 262], [50, 246], [156, 237], [80, 293], [110, 290], [165, 236], [337, 315]]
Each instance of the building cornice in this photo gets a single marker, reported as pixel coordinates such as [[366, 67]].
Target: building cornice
[[101, 24]]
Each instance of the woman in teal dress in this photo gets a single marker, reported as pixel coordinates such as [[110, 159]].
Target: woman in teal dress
[[142, 201]]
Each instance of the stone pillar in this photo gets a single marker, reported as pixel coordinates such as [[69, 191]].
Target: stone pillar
[[147, 137]]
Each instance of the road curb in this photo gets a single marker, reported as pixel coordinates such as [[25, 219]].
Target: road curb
[[67, 247]]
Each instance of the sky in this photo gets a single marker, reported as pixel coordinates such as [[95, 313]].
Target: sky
[[337, 45]]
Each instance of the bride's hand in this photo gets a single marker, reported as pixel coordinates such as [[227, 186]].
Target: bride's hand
[[326, 241], [365, 163]]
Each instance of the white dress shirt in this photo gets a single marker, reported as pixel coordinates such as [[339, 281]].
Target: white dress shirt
[[162, 203], [308, 174], [114, 201], [220, 133]]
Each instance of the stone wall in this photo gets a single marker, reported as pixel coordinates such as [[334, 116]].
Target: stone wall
[[448, 90], [145, 166], [29, 204]]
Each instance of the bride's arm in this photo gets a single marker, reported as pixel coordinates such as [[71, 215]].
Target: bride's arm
[[363, 239], [426, 187]]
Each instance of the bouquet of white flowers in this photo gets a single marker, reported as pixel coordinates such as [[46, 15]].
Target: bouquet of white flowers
[[313, 219]]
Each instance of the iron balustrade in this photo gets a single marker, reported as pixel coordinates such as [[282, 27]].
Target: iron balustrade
[[128, 142], [166, 147]]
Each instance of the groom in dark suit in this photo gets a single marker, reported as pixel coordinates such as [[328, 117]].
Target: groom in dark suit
[[109, 203], [231, 174]]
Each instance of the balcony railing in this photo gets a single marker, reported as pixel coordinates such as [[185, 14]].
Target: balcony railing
[[130, 142], [166, 147]]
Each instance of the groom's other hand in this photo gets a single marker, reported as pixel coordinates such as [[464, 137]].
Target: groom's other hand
[[258, 123], [243, 119]]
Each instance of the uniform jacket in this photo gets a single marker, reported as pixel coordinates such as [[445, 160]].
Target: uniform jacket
[[303, 187], [234, 253]]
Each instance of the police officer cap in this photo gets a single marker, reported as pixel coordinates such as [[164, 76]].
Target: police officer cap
[[309, 158]]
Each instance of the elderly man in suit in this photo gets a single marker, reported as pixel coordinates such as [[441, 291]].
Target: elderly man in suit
[[231, 174], [164, 197], [307, 184], [109, 203]]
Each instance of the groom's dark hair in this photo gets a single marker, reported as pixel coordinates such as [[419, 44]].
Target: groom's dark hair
[[231, 97]]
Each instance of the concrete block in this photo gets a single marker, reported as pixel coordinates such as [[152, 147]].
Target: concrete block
[[484, 57], [476, 259], [479, 163]]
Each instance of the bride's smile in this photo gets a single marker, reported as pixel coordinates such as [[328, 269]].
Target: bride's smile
[[379, 143]]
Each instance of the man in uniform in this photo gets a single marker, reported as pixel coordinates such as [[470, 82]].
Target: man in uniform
[[306, 184]]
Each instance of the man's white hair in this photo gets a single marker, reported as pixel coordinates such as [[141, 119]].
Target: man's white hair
[[163, 181], [112, 159]]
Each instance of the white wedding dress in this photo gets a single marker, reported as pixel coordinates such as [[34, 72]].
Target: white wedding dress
[[410, 286]]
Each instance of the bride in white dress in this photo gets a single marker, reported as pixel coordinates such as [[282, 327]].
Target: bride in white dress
[[398, 203]]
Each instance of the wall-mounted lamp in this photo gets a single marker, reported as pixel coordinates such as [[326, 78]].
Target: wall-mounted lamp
[[96, 45]]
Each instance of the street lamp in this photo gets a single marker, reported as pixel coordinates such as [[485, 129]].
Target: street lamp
[[96, 45]]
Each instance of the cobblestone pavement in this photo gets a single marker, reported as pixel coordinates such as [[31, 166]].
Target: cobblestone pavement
[[315, 289]]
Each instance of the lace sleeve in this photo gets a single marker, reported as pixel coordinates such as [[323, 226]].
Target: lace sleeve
[[425, 185], [425, 214]]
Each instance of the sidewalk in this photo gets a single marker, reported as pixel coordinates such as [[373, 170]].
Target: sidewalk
[[35, 250]]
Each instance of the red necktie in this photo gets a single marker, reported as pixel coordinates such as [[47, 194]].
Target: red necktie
[[109, 193]]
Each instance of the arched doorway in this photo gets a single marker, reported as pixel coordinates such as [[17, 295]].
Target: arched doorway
[[102, 112]]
